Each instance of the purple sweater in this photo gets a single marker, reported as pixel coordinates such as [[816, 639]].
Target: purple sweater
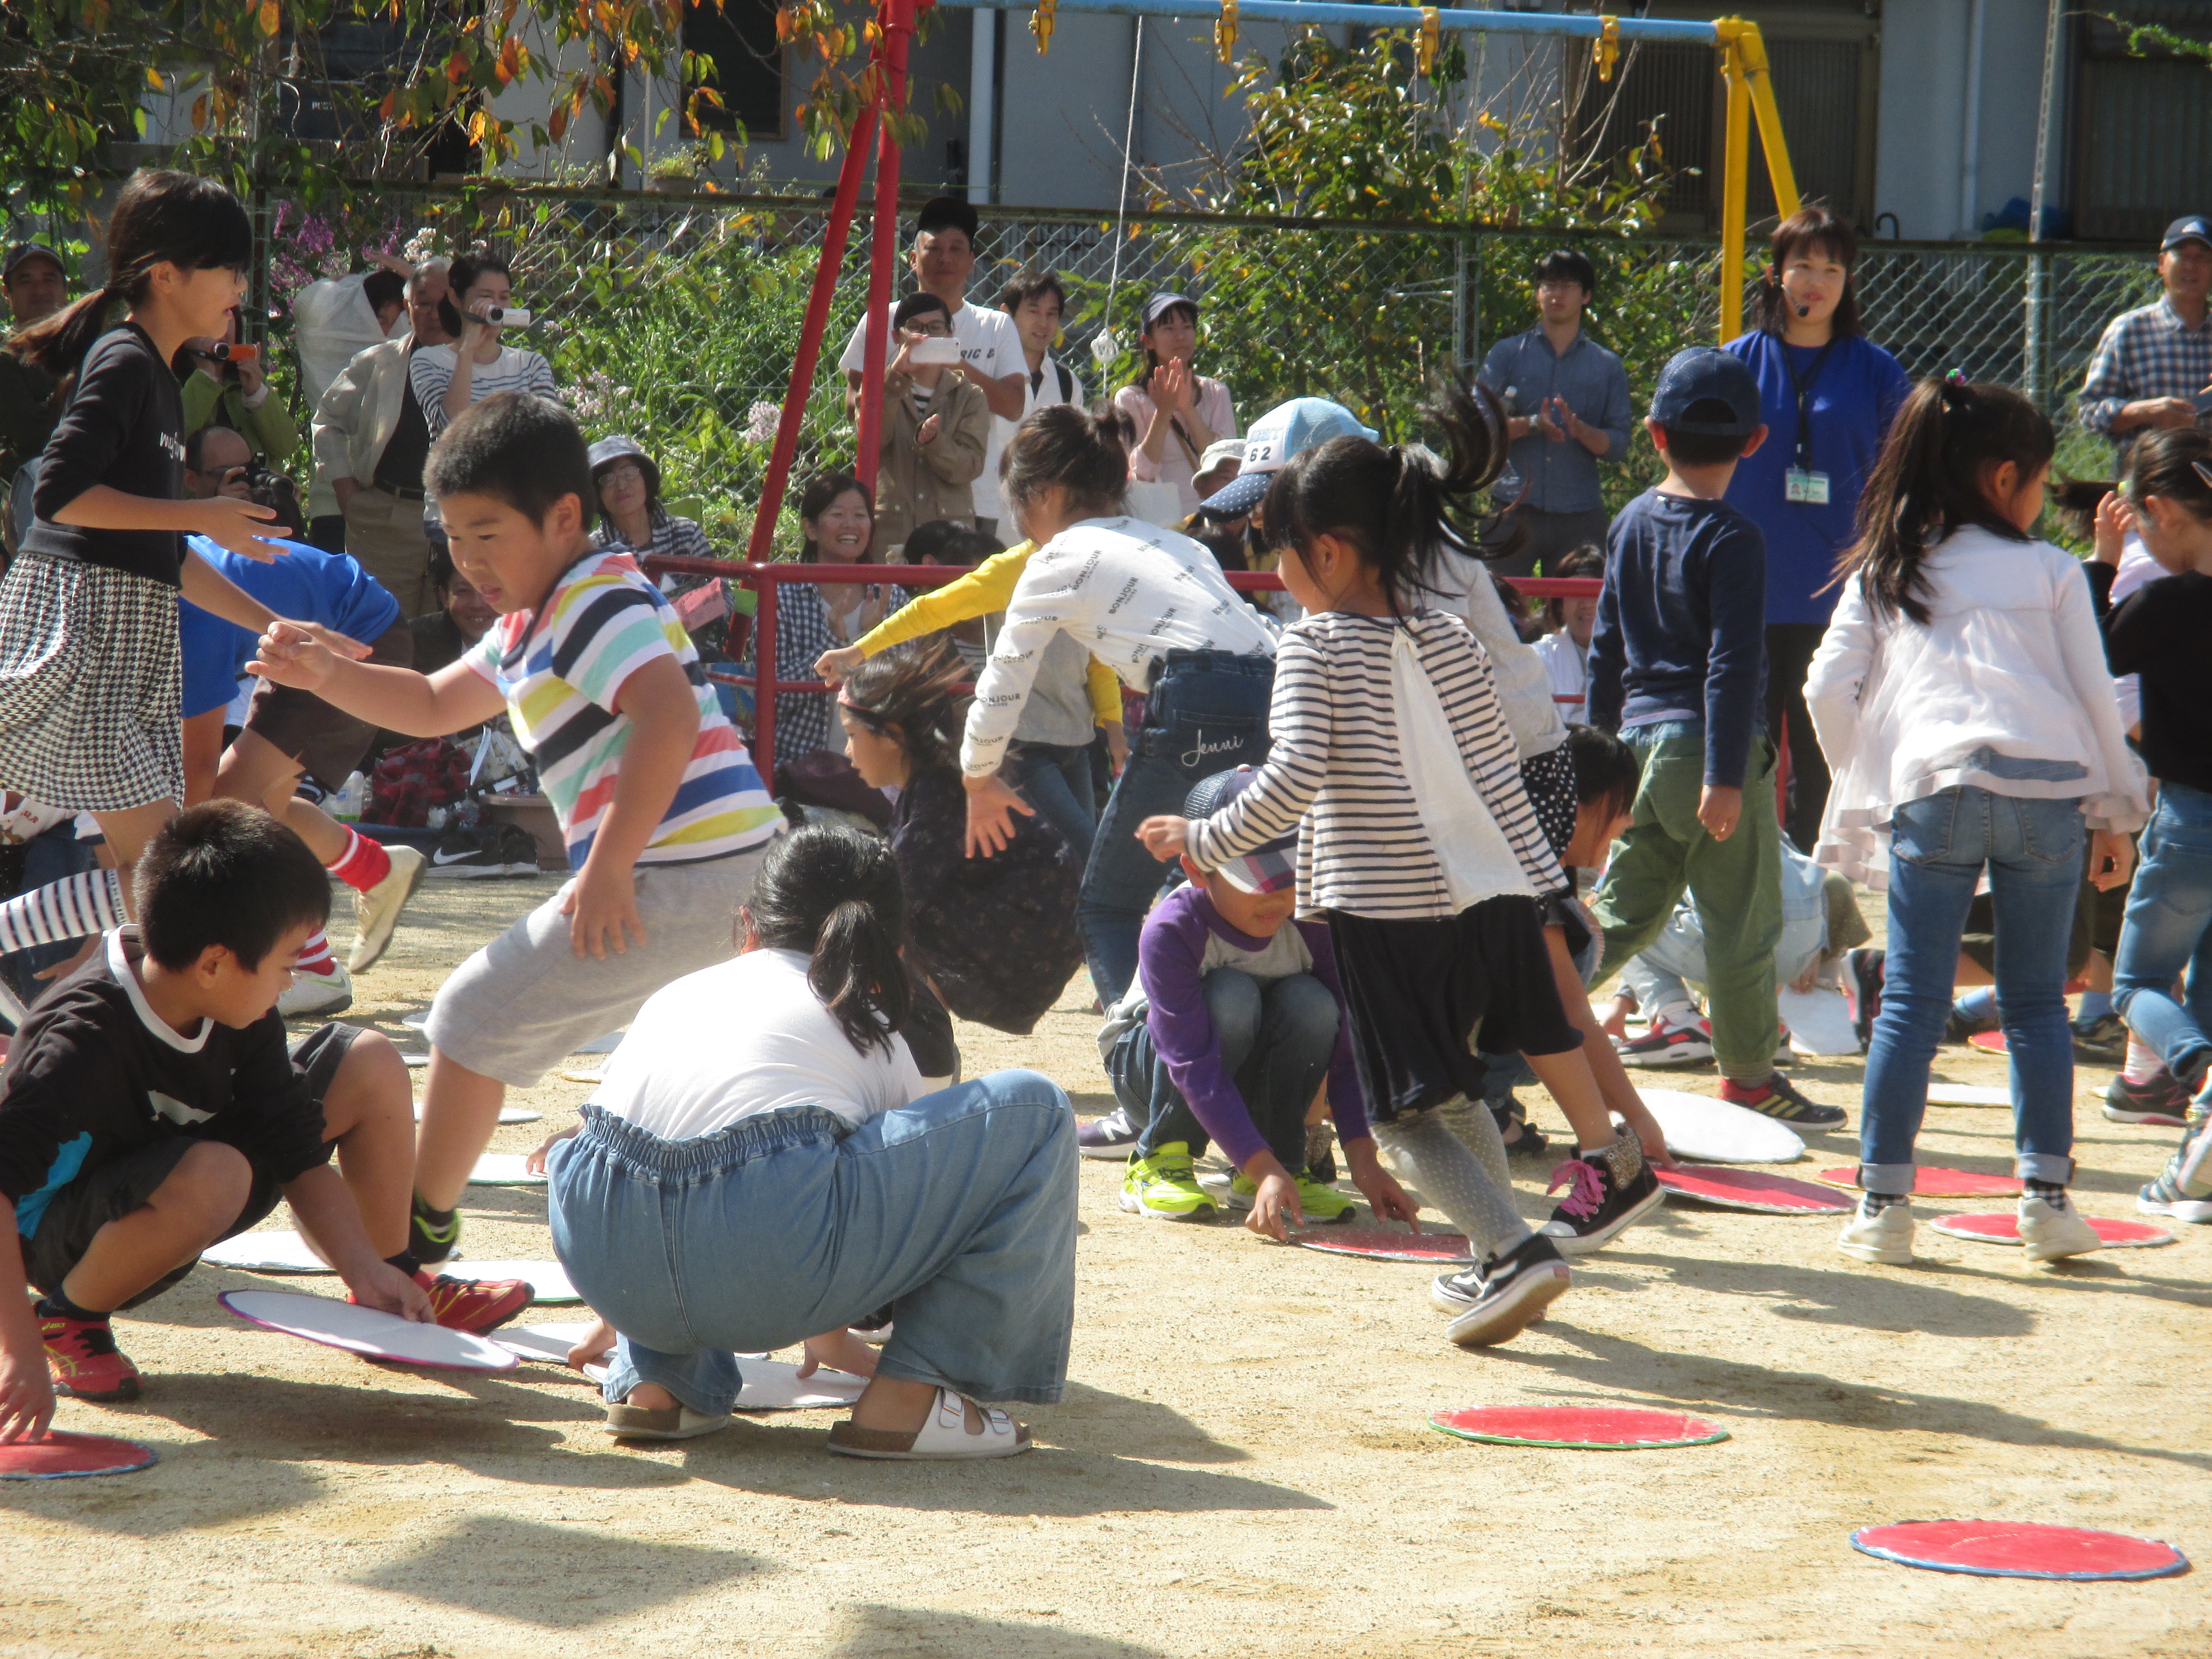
[[1170, 961]]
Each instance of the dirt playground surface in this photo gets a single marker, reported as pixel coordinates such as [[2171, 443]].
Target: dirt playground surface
[[1243, 1464]]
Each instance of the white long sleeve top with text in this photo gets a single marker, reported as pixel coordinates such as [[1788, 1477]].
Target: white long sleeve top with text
[[1338, 773], [2010, 661], [1128, 593]]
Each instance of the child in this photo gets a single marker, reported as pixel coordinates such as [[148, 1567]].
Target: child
[[89, 665], [1417, 843], [936, 428], [995, 937], [1961, 698], [1677, 665], [151, 1109], [664, 816], [2159, 633], [289, 734], [762, 1165], [1566, 649], [1234, 1023]]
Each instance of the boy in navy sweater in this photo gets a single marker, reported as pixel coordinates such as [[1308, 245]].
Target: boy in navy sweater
[[1678, 667]]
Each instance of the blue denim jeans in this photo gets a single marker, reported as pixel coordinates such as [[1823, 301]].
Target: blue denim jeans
[[1207, 711], [1940, 846], [957, 1211], [1055, 779], [1275, 1039], [2168, 930]]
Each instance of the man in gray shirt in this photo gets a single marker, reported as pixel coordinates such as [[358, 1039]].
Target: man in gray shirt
[[1566, 398]]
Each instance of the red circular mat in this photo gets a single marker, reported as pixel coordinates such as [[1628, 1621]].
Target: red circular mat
[[1578, 1428], [1750, 1189], [1990, 1043], [1383, 1244], [62, 1456], [1932, 1183], [2004, 1228], [2019, 1549]]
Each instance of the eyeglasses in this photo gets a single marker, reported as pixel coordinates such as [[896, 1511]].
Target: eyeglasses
[[622, 472]]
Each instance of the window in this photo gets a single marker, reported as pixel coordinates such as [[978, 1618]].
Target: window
[[739, 36]]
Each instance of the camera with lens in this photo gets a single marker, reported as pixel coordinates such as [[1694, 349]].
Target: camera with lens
[[271, 489]]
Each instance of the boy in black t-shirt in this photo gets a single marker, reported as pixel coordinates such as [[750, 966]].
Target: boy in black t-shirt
[[149, 1108]]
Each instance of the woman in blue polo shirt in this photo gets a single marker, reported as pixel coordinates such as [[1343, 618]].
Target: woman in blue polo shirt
[[1826, 393]]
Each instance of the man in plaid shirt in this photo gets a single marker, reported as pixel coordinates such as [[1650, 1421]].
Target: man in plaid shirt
[[2155, 361]]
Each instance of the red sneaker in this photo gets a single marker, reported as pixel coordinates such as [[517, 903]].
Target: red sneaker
[[85, 1361], [475, 1304]]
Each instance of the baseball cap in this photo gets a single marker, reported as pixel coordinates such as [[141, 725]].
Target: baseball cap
[[1281, 433], [1267, 869], [20, 252], [2190, 227], [1698, 374], [1162, 302], [1220, 450]]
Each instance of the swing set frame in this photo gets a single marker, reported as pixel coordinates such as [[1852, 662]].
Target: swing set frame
[[1742, 61]]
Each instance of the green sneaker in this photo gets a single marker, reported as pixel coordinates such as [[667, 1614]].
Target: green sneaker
[[1164, 1187], [1323, 1205]]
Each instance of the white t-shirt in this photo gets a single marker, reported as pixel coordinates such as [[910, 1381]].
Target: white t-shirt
[[989, 342], [431, 369], [1568, 666], [742, 1037], [1040, 390]]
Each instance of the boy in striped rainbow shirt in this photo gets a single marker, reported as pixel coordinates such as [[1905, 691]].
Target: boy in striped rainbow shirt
[[665, 819]]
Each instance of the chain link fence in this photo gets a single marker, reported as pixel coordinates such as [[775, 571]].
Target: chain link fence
[[675, 319]]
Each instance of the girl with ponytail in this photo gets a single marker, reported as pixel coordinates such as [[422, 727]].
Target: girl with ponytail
[[1961, 697], [1394, 767], [89, 671], [762, 1165]]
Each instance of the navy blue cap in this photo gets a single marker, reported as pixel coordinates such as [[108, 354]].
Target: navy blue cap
[[2192, 227], [1698, 374]]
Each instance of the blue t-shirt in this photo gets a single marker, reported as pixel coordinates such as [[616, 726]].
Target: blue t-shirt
[[302, 583], [1680, 632], [1851, 402]]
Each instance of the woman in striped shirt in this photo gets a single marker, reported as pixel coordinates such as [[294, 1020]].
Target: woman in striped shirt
[[1392, 762]]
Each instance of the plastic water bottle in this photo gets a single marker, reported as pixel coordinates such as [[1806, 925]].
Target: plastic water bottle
[[349, 804]]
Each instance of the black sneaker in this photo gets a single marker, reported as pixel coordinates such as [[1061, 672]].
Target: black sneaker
[[1514, 1289], [1863, 979], [1522, 1137], [517, 850], [2163, 1101], [467, 854], [2101, 1041], [1958, 1028], [430, 1241], [1781, 1100], [1607, 1193]]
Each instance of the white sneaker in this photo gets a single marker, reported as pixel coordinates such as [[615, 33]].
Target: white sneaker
[[376, 912], [1883, 1234], [312, 994], [2051, 1228]]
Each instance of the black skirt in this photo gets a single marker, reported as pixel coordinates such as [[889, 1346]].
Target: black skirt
[[1425, 992]]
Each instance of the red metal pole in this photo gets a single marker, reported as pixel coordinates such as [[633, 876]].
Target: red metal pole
[[809, 337], [897, 19], [764, 677]]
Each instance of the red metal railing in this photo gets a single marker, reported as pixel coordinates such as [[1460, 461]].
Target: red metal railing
[[765, 579]]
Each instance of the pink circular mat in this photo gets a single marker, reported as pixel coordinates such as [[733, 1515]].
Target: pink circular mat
[[1757, 1190], [1990, 1043], [2019, 1549], [1447, 1249], [63, 1455], [1932, 1183], [1578, 1428], [2002, 1228]]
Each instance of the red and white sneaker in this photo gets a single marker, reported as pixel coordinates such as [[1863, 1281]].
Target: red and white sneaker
[[473, 1304], [85, 1361], [1666, 1045]]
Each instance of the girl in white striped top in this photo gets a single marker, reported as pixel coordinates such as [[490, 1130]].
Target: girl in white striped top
[[1393, 761]]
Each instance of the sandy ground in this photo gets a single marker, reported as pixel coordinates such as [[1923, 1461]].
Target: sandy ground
[[1243, 1464]]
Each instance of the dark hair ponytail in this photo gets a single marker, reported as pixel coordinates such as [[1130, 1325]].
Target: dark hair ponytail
[[174, 218], [909, 687], [834, 895], [1396, 505], [2174, 464], [1927, 482]]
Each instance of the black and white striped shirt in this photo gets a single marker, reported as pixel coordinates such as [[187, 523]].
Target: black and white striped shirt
[[1337, 773]]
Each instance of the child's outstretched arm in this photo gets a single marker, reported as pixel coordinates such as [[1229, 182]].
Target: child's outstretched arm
[[1301, 717], [26, 1388], [241, 527], [454, 699], [983, 590], [326, 1211]]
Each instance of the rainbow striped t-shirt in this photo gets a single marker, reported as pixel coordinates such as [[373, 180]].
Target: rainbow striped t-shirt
[[560, 670]]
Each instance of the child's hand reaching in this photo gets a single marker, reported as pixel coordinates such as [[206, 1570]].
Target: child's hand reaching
[[1277, 1199], [27, 1396], [534, 1162], [835, 665], [2112, 858], [293, 654], [386, 1288], [1389, 1202], [240, 527], [841, 1351], [1165, 837], [2115, 518], [596, 1343], [1718, 809]]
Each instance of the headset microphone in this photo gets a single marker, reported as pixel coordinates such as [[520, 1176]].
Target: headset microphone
[[1804, 311]]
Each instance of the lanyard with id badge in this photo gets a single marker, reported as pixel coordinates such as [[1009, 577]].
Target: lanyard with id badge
[[1800, 483]]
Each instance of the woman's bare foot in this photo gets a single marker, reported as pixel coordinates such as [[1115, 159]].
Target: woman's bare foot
[[899, 1406], [651, 1397]]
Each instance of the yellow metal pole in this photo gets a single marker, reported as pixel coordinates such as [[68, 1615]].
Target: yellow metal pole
[[1750, 53], [1736, 168]]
